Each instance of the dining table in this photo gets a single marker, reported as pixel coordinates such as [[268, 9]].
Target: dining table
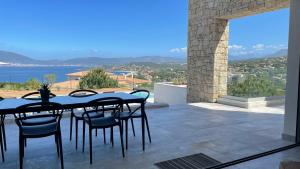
[[10, 105]]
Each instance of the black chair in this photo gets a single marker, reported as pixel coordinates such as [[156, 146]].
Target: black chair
[[79, 115], [134, 114], [35, 96], [103, 122], [2, 134], [41, 129]]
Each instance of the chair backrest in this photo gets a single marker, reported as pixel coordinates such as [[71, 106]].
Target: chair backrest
[[109, 92], [141, 93], [116, 102], [82, 93], [2, 116], [52, 110], [35, 96]]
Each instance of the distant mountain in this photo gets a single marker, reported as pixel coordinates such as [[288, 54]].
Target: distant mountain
[[122, 60], [14, 58], [10, 57], [282, 52]]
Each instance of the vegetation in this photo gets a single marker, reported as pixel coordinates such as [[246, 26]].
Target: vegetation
[[97, 79], [32, 84], [254, 87], [49, 78], [140, 76], [258, 77], [170, 73], [147, 86], [248, 78]]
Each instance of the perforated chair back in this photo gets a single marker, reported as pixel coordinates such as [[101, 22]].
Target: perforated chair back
[[51, 109], [35, 96], [115, 102], [141, 93], [82, 93]]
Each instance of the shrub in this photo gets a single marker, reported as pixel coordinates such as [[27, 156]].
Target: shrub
[[32, 84], [50, 78], [254, 87], [97, 79]]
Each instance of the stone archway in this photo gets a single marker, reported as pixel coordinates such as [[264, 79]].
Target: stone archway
[[208, 42]]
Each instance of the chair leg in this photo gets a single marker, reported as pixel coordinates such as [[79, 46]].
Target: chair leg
[[4, 136], [1, 144], [96, 132], [3, 131], [25, 142], [126, 134], [57, 144], [132, 125], [23, 147], [21, 151], [121, 137], [112, 136], [71, 125], [104, 136], [83, 135], [147, 125], [76, 133], [91, 145], [61, 150]]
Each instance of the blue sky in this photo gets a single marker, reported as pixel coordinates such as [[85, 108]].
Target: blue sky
[[259, 34], [118, 28]]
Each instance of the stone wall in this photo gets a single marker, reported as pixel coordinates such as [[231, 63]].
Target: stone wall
[[208, 42]]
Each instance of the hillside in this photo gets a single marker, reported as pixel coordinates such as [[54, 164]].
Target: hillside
[[279, 53], [10, 57], [14, 58]]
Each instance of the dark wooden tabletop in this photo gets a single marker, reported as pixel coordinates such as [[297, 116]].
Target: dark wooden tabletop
[[8, 106]]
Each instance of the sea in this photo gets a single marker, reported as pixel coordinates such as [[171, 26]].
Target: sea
[[20, 74]]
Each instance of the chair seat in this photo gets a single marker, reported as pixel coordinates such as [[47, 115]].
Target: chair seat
[[102, 122], [37, 121], [92, 115], [39, 130], [126, 115]]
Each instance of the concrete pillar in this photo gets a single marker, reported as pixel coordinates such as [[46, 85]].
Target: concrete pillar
[[290, 117]]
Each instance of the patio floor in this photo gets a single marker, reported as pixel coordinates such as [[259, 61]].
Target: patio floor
[[222, 132]]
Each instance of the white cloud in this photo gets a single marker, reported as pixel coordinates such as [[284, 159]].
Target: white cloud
[[236, 47], [278, 47], [184, 49], [179, 50], [259, 47]]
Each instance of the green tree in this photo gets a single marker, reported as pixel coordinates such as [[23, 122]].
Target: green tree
[[50, 78], [97, 79], [32, 84], [254, 87]]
